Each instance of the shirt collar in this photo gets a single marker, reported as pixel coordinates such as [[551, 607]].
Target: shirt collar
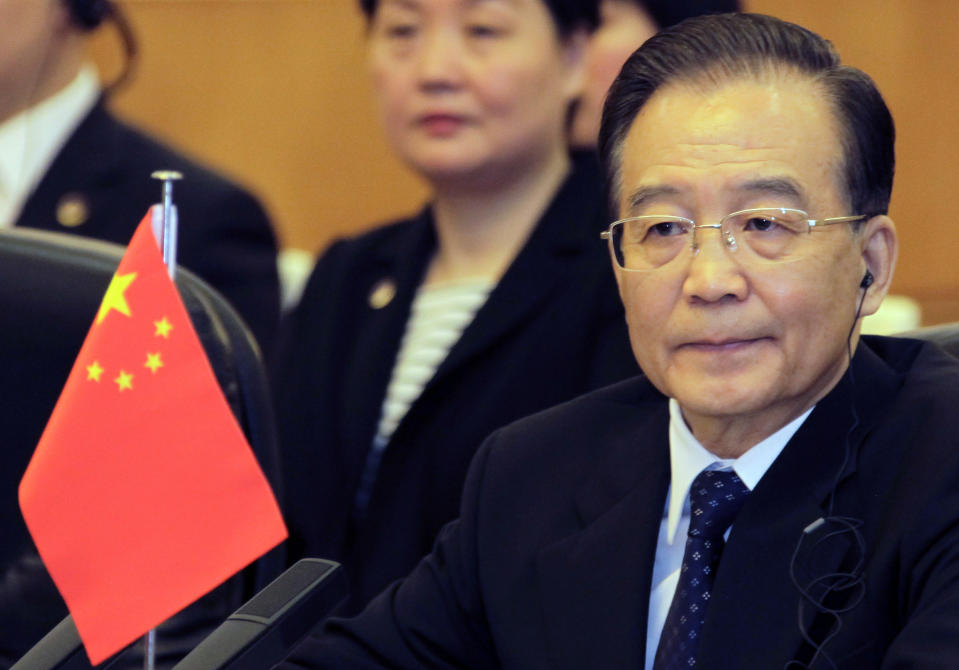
[[31, 140], [688, 458]]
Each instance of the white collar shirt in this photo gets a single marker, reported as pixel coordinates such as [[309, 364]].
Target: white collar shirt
[[687, 459], [31, 140]]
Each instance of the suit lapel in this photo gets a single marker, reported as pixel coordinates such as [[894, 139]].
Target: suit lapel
[[595, 583], [378, 340], [752, 620], [83, 164], [564, 232]]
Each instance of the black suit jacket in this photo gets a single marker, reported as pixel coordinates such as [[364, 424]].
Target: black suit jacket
[[224, 235], [550, 563], [551, 329]]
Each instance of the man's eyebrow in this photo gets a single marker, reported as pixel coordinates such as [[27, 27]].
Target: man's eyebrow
[[644, 194], [774, 185]]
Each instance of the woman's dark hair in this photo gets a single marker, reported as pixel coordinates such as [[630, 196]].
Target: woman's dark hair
[[569, 15], [666, 13], [723, 47]]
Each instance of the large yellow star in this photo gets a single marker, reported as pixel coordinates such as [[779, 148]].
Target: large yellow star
[[163, 328], [124, 380], [114, 299], [94, 371], [153, 362]]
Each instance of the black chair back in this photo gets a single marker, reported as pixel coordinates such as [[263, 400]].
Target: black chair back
[[50, 288]]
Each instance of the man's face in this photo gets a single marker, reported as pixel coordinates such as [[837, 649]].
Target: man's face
[[733, 342]]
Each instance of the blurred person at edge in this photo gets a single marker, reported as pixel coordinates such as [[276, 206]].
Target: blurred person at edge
[[68, 164], [416, 340], [623, 26]]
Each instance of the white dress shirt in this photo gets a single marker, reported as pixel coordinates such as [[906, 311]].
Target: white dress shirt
[[687, 459], [30, 140]]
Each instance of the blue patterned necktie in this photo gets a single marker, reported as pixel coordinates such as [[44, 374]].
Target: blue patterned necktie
[[715, 498]]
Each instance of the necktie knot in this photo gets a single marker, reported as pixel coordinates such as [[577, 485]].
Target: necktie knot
[[715, 499]]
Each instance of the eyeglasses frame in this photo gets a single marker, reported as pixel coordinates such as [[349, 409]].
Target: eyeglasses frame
[[729, 239]]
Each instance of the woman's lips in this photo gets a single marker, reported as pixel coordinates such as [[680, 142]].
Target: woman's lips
[[441, 124]]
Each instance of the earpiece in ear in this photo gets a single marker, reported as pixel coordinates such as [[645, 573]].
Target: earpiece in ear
[[88, 14], [867, 280]]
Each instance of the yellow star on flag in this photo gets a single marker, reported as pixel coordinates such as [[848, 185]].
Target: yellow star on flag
[[163, 327], [124, 380], [153, 362], [114, 298], [94, 371]]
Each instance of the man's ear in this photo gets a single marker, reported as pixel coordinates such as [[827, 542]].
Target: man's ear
[[880, 249]]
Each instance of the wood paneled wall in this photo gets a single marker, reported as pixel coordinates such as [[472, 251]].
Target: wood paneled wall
[[275, 93]]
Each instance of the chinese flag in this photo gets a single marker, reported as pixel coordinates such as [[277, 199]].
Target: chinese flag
[[143, 493]]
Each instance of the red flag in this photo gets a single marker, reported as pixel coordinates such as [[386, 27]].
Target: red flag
[[143, 493]]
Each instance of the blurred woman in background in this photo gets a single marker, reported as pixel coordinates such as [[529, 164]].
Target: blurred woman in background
[[623, 26], [415, 341]]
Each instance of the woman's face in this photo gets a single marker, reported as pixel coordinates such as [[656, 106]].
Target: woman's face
[[623, 26], [473, 89]]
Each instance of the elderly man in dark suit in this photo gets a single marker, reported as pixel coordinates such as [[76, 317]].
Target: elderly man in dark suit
[[68, 164], [775, 492]]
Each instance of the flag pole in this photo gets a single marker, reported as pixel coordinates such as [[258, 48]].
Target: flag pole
[[150, 649], [168, 247], [168, 244]]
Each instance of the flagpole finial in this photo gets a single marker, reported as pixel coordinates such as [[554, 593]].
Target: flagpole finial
[[169, 218], [167, 175]]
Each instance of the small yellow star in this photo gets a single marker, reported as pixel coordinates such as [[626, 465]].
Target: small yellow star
[[114, 298], [153, 362], [163, 328], [94, 371], [124, 380]]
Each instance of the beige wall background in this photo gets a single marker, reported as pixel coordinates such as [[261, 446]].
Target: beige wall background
[[274, 93]]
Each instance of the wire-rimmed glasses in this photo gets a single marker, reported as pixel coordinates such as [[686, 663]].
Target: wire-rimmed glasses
[[761, 235]]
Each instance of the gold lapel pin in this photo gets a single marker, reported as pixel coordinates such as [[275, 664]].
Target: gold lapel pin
[[72, 210], [382, 294]]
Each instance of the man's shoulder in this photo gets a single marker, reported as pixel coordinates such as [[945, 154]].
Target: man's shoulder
[[135, 151], [634, 394], [925, 367], [915, 419], [528, 479], [583, 428]]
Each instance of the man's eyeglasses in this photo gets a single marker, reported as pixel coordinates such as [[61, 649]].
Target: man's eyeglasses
[[766, 235]]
